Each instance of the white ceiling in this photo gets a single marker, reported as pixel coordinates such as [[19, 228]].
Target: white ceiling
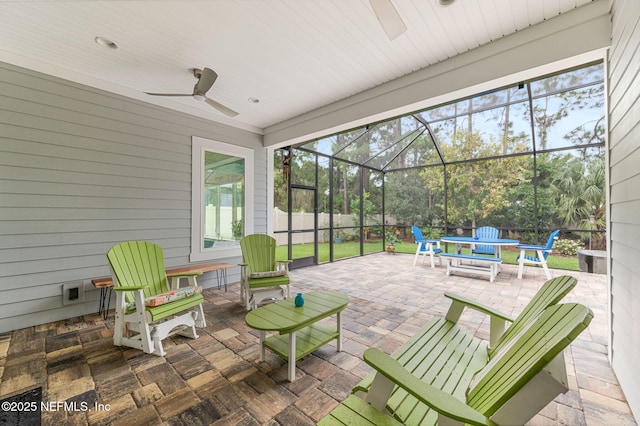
[[293, 55]]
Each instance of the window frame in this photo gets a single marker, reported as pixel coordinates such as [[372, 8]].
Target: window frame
[[199, 147]]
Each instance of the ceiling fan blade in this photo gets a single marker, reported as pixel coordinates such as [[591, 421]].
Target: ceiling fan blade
[[389, 19], [207, 78], [169, 94], [223, 109]]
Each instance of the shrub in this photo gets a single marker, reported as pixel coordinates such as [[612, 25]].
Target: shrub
[[392, 236], [568, 247]]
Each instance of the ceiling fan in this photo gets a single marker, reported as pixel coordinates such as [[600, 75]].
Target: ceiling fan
[[206, 77], [389, 18]]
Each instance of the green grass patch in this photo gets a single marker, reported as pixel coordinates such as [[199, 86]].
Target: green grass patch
[[340, 251], [352, 248]]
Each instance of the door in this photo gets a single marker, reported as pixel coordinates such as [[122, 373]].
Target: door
[[303, 225]]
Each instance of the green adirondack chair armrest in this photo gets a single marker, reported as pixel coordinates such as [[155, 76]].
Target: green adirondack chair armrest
[[130, 288], [284, 263], [498, 320], [473, 304], [436, 399]]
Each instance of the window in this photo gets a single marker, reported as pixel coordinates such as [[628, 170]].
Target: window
[[221, 198]]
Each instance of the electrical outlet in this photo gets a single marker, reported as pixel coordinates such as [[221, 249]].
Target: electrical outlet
[[72, 293]]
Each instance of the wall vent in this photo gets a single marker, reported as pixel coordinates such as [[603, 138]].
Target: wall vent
[[72, 293]]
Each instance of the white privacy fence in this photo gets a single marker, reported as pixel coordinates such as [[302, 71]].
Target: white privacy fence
[[218, 222], [301, 220]]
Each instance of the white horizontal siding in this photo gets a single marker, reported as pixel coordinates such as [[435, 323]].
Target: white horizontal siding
[[624, 155], [81, 170]]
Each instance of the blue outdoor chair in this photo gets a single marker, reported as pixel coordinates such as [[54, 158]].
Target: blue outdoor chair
[[540, 257], [425, 247], [485, 232]]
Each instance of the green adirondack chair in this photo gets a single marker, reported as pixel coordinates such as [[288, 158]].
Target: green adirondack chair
[[146, 310], [521, 379], [551, 293], [430, 353], [261, 275]]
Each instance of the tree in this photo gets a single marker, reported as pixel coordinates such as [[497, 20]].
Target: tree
[[579, 189], [409, 200], [476, 189], [520, 210]]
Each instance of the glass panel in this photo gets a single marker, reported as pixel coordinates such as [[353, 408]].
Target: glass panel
[[324, 191], [489, 100], [303, 219], [323, 251], [443, 132], [519, 129], [334, 143], [479, 191], [303, 209], [372, 213], [499, 98], [421, 152], [577, 190], [394, 152], [567, 80], [346, 205], [303, 168], [280, 194], [516, 217], [373, 245], [493, 128], [348, 245], [569, 118], [415, 197], [302, 246], [372, 197], [379, 139], [324, 213], [223, 198], [445, 112], [346, 187]]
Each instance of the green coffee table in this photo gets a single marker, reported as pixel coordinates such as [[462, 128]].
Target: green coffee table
[[297, 328]]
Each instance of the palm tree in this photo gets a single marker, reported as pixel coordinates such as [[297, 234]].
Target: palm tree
[[580, 195]]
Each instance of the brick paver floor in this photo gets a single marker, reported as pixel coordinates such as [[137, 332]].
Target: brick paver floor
[[217, 378]]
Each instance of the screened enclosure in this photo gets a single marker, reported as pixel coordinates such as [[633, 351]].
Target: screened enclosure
[[526, 159]]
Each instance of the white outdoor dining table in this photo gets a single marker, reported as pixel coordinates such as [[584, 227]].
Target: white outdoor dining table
[[496, 242], [482, 265]]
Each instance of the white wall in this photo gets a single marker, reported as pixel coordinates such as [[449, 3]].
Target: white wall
[[624, 160], [81, 170]]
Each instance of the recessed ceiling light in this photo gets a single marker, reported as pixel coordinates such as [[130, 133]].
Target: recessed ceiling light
[[105, 42], [445, 3], [253, 100]]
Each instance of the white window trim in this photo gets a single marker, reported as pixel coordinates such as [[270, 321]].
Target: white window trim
[[199, 146], [270, 191]]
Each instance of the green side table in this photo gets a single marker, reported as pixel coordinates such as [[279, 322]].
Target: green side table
[[297, 330]]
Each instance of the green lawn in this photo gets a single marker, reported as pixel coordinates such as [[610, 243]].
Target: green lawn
[[352, 248]]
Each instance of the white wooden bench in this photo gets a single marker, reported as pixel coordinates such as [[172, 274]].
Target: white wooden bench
[[473, 264]]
